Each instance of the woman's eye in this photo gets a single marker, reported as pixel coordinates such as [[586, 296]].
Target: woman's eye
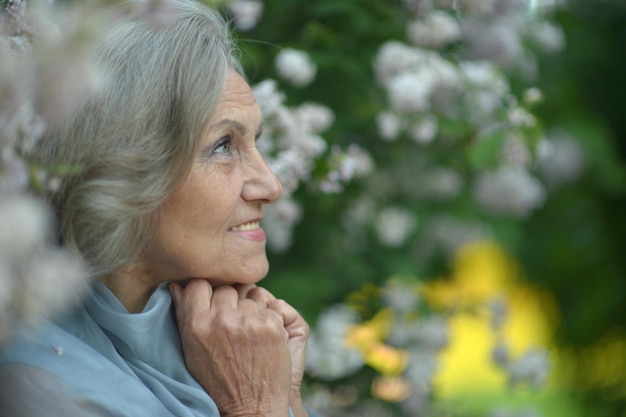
[[223, 145]]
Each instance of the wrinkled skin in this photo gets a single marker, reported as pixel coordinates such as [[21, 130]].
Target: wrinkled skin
[[244, 346]]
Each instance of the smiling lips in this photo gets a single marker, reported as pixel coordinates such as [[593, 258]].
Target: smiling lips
[[246, 226], [251, 231]]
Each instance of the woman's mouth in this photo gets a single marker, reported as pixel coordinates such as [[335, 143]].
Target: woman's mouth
[[246, 226], [250, 231]]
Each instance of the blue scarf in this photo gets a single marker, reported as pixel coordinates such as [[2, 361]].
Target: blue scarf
[[129, 365]]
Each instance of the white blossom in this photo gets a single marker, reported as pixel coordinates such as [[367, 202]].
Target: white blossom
[[439, 183], [499, 311], [547, 35], [449, 85], [532, 96], [425, 130], [36, 279], [544, 149], [395, 57], [479, 73], [23, 128], [532, 367], [52, 280], [486, 91], [515, 152], [436, 30], [447, 234], [432, 332], [402, 297], [499, 41], [520, 117], [296, 67], [564, 162], [314, 117], [422, 366], [389, 125], [291, 144], [476, 8], [15, 11], [327, 356], [246, 13], [15, 175], [290, 167], [24, 224], [505, 8], [410, 92], [269, 98], [394, 226], [298, 139], [508, 191], [345, 166], [15, 45], [279, 221]]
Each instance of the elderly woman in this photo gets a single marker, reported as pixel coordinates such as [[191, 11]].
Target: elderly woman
[[166, 212]]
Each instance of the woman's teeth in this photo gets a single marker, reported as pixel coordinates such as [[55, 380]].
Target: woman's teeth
[[247, 226]]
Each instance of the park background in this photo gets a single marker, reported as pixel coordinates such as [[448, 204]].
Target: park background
[[453, 224]]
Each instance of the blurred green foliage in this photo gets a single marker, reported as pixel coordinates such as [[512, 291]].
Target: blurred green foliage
[[575, 245]]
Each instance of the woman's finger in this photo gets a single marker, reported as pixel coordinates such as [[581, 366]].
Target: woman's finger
[[261, 296], [194, 297], [293, 321], [225, 296], [243, 290]]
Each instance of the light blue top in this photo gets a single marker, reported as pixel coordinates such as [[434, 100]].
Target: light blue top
[[128, 365]]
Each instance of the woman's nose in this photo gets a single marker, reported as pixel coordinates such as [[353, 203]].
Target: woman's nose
[[262, 185]]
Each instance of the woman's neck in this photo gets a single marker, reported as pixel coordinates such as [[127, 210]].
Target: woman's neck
[[132, 285]]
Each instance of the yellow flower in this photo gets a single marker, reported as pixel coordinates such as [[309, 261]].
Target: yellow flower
[[361, 336], [531, 319], [386, 359], [465, 365], [481, 273], [391, 388], [364, 336]]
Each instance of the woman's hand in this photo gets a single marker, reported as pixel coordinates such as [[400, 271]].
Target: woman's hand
[[298, 331], [237, 347]]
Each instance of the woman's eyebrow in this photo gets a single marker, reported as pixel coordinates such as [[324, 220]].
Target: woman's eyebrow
[[233, 123], [241, 128]]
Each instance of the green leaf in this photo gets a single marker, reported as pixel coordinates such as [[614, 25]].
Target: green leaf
[[484, 152]]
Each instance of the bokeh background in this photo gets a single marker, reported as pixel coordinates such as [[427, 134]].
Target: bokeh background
[[571, 246], [453, 225]]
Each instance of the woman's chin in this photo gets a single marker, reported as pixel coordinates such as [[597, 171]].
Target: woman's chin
[[239, 280]]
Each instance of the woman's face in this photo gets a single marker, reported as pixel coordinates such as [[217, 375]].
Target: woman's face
[[209, 227]]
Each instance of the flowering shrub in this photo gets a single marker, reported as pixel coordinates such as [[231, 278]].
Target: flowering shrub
[[37, 278], [440, 97], [479, 331], [440, 142]]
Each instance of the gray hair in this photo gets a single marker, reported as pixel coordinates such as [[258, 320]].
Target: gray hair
[[134, 140]]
